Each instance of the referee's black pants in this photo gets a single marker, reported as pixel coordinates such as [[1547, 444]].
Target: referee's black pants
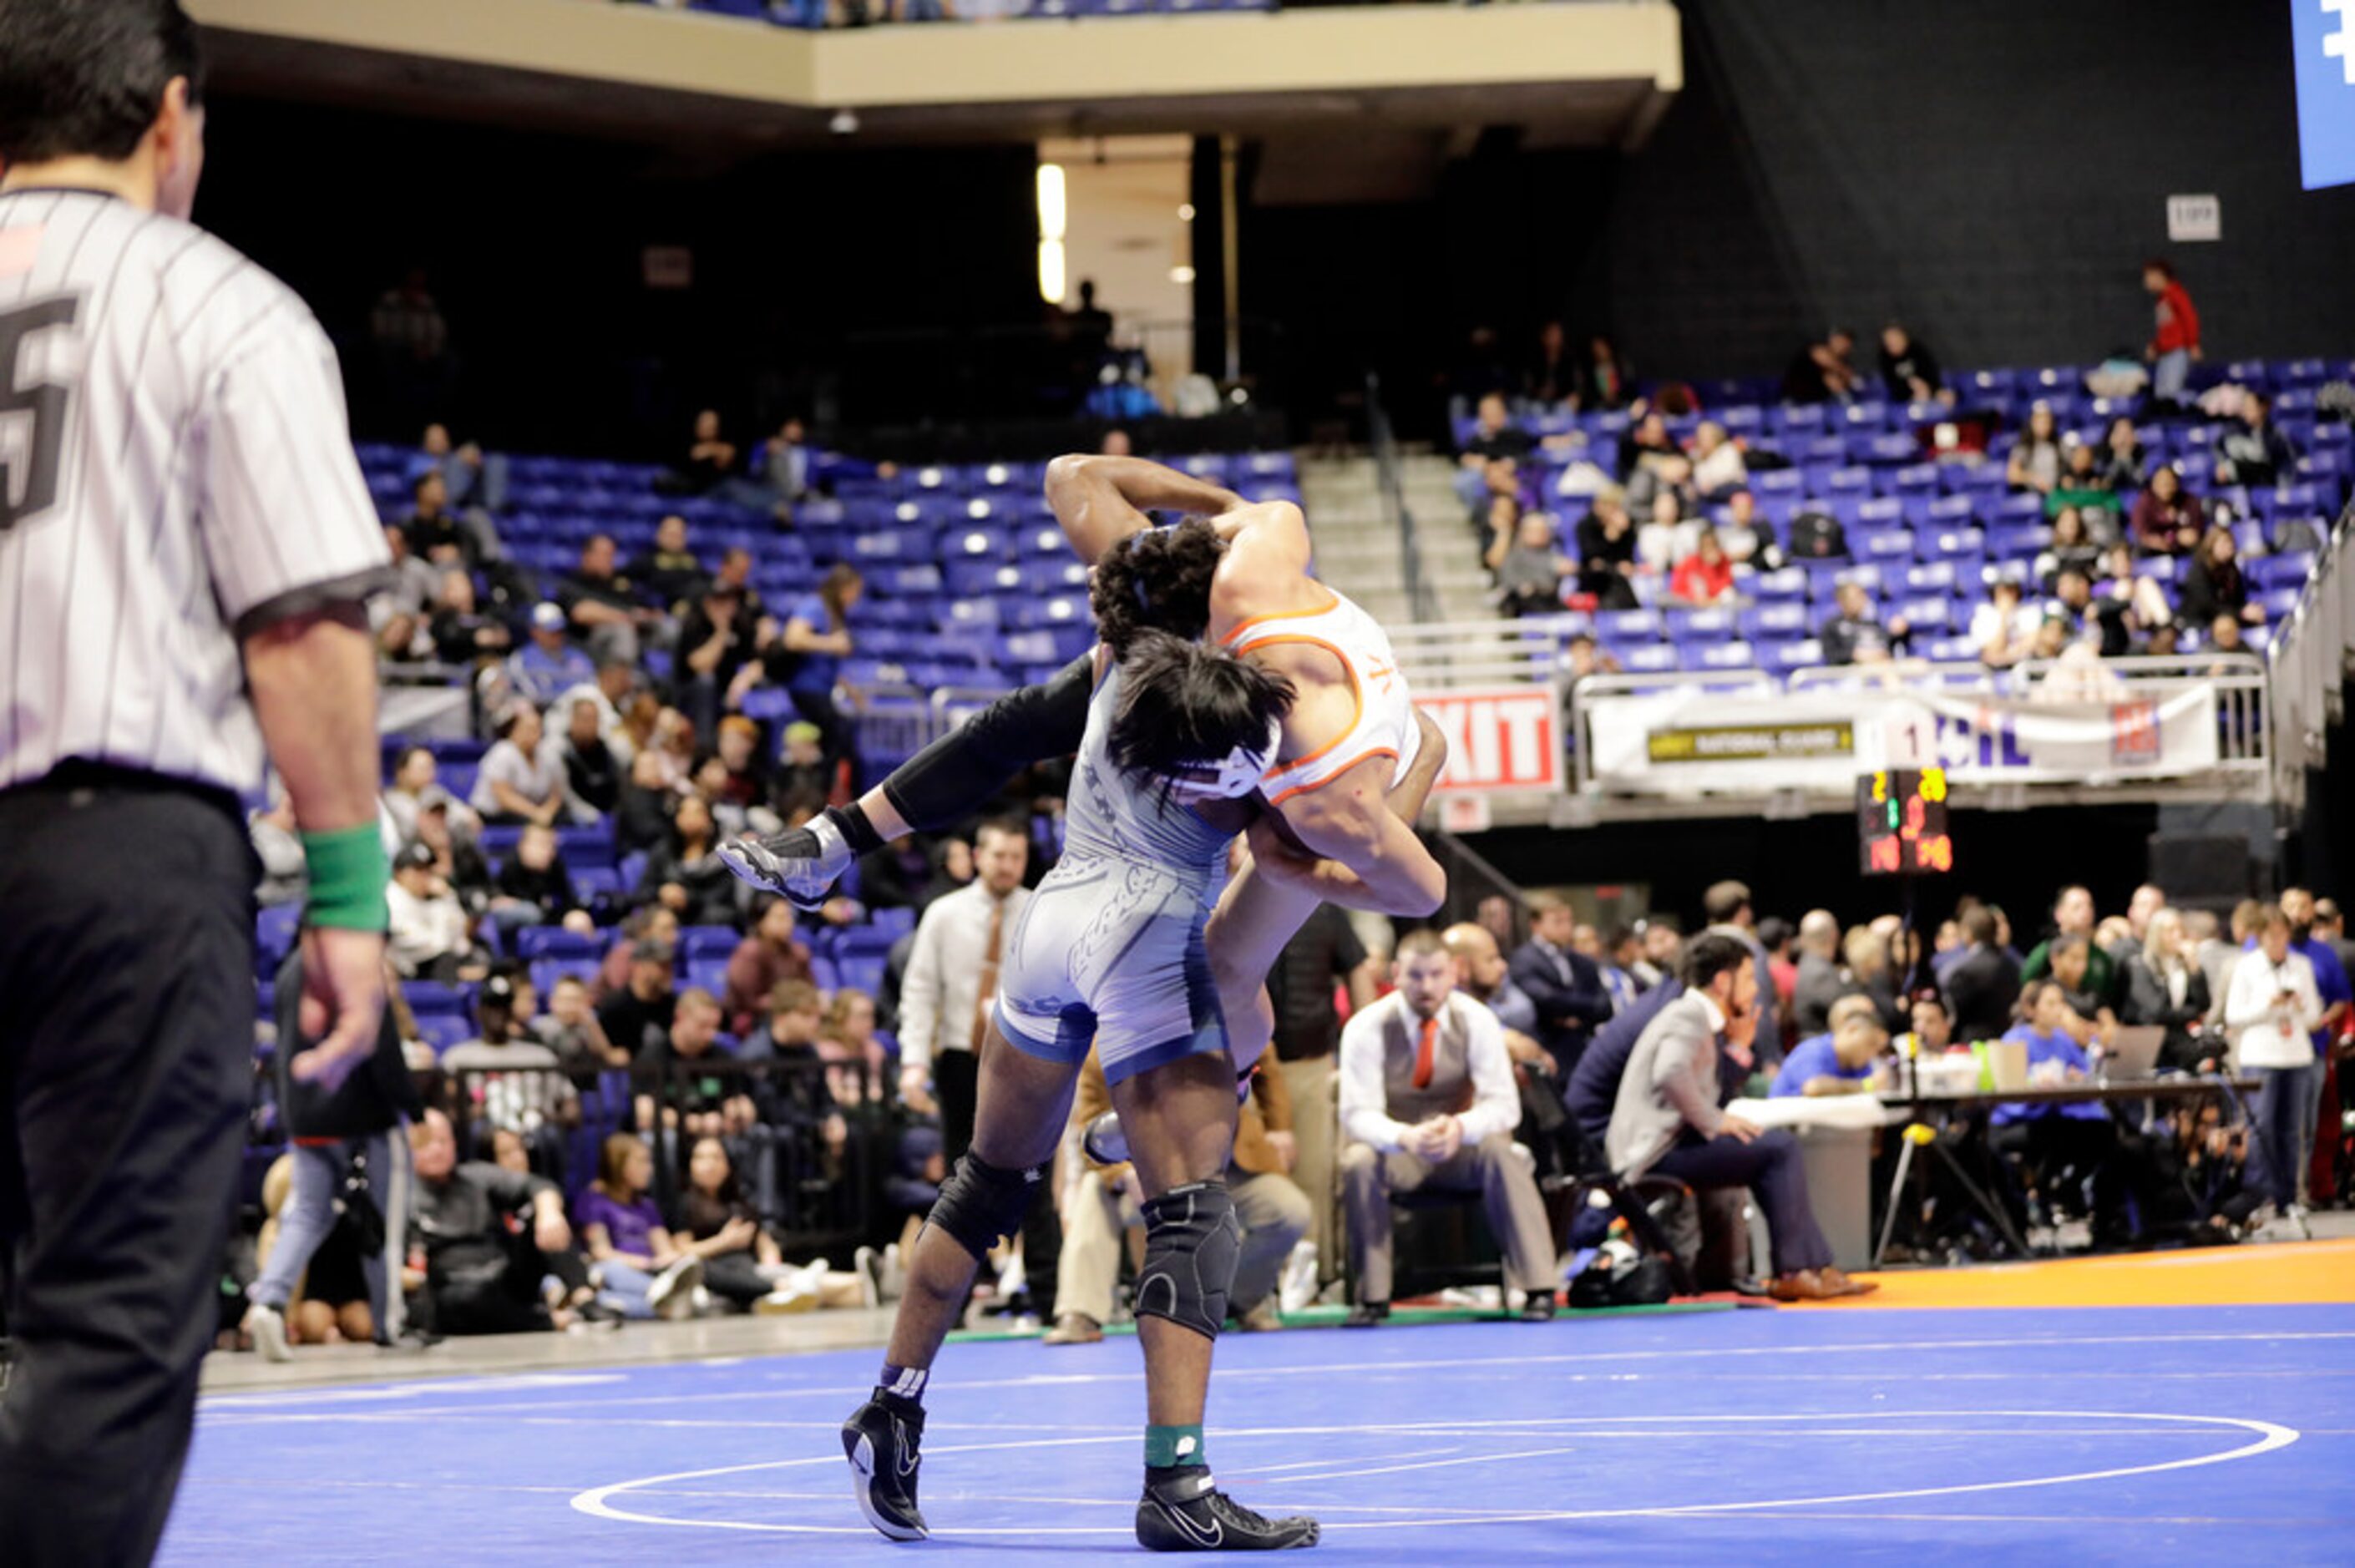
[[956, 1078], [126, 1044]]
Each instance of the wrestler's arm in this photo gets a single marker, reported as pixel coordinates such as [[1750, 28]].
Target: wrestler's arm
[[1366, 857], [1407, 796], [1100, 500]]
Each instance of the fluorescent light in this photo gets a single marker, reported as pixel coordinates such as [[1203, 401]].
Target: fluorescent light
[[1050, 201], [1181, 274], [1185, 212], [1050, 271]]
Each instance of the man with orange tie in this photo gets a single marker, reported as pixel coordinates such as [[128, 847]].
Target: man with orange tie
[[945, 1012], [1427, 1100]]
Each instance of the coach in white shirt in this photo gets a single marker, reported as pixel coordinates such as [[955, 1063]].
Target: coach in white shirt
[[1428, 1100], [2270, 1009], [953, 977]]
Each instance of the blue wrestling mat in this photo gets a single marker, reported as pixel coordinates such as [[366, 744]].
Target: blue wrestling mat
[[2047, 1436]]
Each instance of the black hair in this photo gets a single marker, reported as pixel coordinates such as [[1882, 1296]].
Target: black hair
[[1184, 702], [1774, 931], [1159, 580], [86, 78], [1709, 956]]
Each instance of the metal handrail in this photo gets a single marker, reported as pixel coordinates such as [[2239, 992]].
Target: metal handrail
[[1423, 601]]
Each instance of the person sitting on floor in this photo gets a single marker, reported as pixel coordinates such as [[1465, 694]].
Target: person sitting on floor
[[1665, 1121], [1428, 1098]]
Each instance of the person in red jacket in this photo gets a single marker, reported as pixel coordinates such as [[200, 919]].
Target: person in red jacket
[[2175, 335], [1705, 578]]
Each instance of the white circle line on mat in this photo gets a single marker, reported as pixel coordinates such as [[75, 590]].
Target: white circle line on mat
[[2268, 1437]]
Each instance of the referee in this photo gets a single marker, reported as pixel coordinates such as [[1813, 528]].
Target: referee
[[185, 542]]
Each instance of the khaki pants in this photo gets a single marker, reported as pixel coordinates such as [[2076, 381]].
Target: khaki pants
[[1499, 1177], [1316, 1128], [1272, 1210]]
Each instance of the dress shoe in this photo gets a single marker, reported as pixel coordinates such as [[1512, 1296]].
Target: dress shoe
[[1073, 1329]]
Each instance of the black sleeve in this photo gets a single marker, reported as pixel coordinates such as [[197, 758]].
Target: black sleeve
[[955, 775], [1347, 951]]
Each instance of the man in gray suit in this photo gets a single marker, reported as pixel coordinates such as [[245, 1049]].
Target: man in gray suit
[[1666, 1121]]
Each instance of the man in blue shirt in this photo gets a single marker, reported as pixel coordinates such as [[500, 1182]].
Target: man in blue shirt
[[1839, 1062], [548, 665]]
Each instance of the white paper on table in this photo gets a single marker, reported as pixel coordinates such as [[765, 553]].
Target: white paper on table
[[1855, 1112]]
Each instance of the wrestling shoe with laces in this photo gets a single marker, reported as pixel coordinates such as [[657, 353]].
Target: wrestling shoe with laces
[[880, 1440], [802, 864], [1183, 1510]]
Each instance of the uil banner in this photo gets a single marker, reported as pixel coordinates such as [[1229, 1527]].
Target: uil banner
[[1692, 743]]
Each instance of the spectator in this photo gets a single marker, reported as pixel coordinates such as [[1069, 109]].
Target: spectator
[[1656, 956], [592, 773], [1645, 442], [2072, 915], [670, 572], [2165, 988], [1564, 986], [1841, 1062], [1821, 981], [612, 694], [741, 1263], [686, 1096], [2253, 451], [801, 1100], [2175, 334], [328, 1130], [1726, 908], [1909, 370], [1103, 1201], [435, 535], [2072, 550], [1428, 1101], [1983, 986], [2143, 599], [2105, 622], [641, 818], [2166, 521], [710, 456], [856, 1059], [789, 464], [427, 931], [2084, 486], [1661, 492], [1583, 658], [2123, 461], [1487, 978], [1665, 1121], [2070, 959], [742, 778], [640, 1270], [2035, 460], [1718, 466], [2213, 585], [572, 1031], [395, 614], [1494, 435], [1747, 537], [1856, 635], [520, 780], [769, 955], [1607, 553], [2004, 628], [474, 481], [1530, 573], [1869, 973], [2048, 1137], [1551, 381], [1823, 372], [603, 605], [475, 1266], [533, 888], [806, 659], [951, 976], [515, 1081], [1324, 965], [685, 873], [716, 642], [1780, 940], [639, 1014], [277, 845], [1604, 380], [804, 775], [1704, 579], [461, 634]]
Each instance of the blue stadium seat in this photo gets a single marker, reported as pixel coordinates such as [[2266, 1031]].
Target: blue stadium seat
[[535, 942]]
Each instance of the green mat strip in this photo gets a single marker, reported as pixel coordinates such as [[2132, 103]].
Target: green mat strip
[[1401, 1316]]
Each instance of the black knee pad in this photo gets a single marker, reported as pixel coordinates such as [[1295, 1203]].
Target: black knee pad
[[981, 1203], [1192, 1244]]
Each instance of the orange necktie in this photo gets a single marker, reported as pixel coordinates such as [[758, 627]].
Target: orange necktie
[[1423, 1053]]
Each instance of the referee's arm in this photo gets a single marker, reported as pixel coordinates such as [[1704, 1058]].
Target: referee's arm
[[295, 548]]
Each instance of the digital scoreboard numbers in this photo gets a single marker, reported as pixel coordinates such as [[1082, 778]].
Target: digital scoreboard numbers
[[1900, 823]]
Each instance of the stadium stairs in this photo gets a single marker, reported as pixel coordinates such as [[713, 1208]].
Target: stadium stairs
[[1357, 544]]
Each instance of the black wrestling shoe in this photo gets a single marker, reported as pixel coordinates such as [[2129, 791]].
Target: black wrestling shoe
[[802, 864], [880, 1441], [1183, 1510]]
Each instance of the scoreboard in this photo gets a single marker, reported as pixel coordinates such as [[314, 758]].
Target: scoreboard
[[1900, 823]]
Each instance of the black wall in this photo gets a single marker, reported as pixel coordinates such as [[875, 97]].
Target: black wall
[[533, 248]]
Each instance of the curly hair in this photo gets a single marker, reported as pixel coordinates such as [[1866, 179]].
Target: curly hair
[[1157, 581]]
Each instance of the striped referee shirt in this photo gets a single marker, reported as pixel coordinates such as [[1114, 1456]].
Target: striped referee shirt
[[176, 473]]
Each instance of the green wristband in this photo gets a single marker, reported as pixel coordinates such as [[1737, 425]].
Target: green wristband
[[349, 872]]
